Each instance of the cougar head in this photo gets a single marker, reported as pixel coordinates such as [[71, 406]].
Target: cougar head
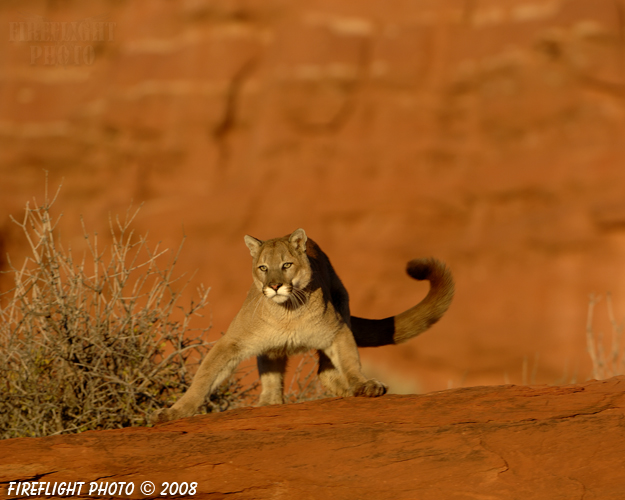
[[280, 267]]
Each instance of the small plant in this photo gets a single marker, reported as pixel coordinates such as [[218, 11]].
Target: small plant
[[305, 385], [95, 342], [605, 364]]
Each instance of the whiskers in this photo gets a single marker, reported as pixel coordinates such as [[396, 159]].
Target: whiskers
[[297, 298], [292, 300]]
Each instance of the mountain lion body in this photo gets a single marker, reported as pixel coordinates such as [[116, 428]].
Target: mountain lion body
[[298, 303]]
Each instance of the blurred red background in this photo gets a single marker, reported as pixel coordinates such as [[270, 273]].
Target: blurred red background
[[488, 134]]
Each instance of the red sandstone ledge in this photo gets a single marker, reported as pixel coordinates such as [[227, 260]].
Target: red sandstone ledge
[[506, 442]]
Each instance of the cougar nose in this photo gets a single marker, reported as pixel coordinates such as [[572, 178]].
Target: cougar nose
[[275, 286]]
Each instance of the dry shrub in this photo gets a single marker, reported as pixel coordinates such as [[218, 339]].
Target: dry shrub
[[92, 343], [305, 385], [608, 362]]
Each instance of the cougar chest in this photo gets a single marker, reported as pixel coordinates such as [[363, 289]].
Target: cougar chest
[[294, 335]]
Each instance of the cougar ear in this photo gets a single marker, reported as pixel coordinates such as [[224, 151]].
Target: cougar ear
[[253, 244], [298, 240]]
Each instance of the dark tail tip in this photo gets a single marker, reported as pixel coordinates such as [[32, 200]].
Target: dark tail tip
[[421, 269]]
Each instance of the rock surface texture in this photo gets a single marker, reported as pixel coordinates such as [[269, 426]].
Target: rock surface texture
[[507, 442], [489, 134]]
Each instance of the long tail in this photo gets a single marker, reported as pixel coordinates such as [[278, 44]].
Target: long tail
[[417, 319]]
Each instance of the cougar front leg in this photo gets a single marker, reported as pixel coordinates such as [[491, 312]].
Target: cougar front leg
[[218, 365], [343, 375], [331, 378], [271, 370]]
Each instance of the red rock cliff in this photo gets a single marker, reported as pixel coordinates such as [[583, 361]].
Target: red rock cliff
[[486, 133]]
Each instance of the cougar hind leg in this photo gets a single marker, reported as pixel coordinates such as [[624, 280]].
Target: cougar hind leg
[[271, 370]]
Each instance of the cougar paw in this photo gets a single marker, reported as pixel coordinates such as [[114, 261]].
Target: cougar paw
[[162, 415], [370, 389]]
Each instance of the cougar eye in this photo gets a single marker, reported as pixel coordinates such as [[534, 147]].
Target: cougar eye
[[263, 268], [286, 265]]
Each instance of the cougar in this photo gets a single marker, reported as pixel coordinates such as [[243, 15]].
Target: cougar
[[297, 303]]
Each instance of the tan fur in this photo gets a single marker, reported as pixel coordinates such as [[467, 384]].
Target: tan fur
[[298, 303]]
